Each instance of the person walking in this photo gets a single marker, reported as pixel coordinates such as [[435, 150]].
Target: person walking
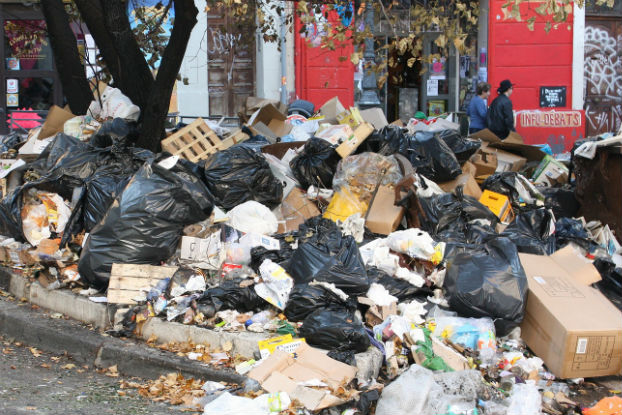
[[478, 108], [500, 117]]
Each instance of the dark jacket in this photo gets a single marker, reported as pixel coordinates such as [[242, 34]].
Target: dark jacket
[[500, 117]]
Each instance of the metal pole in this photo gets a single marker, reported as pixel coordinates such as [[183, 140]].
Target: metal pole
[[369, 96], [283, 57]]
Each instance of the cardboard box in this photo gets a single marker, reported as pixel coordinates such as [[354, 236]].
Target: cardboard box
[[363, 131], [468, 183], [295, 209], [507, 161], [498, 204], [281, 372], [383, 216], [376, 117], [269, 122], [55, 122], [571, 326], [485, 163], [513, 143], [376, 314], [331, 109], [550, 172]]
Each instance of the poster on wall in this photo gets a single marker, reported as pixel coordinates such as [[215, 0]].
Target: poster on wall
[[12, 86], [552, 96], [438, 69], [12, 100], [432, 87]]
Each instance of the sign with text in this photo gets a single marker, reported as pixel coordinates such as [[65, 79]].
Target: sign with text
[[559, 129], [552, 96]]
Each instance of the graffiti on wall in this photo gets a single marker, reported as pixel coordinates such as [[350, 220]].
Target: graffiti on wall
[[603, 78]]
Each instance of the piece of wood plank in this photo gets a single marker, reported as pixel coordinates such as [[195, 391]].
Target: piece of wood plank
[[130, 281]]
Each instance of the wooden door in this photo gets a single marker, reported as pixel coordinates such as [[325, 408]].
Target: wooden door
[[231, 62], [603, 74]]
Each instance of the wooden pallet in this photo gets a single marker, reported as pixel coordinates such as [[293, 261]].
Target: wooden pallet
[[129, 282], [197, 141]]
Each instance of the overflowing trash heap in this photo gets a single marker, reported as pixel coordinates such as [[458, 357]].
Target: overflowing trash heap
[[463, 261]]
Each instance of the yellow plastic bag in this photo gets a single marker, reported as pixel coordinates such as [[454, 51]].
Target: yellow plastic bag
[[344, 204]]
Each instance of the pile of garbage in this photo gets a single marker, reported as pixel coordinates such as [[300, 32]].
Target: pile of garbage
[[463, 260]]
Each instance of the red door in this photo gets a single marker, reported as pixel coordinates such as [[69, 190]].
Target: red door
[[531, 60], [320, 73]]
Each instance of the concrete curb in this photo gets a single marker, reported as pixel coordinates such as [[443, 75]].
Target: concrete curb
[[101, 316], [85, 346]]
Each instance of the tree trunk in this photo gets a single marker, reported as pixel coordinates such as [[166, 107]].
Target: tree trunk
[[92, 14], [66, 56], [135, 78], [157, 105]]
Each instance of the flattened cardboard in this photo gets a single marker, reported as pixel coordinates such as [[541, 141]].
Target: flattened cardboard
[[453, 359], [55, 122], [376, 117], [281, 372], [383, 216], [361, 132], [468, 183], [572, 327], [331, 109], [335, 134]]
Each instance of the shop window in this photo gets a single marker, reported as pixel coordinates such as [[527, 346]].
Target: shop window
[[26, 45]]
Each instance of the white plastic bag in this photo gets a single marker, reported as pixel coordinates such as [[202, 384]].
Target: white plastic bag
[[114, 105], [253, 217], [525, 400], [417, 244], [407, 394]]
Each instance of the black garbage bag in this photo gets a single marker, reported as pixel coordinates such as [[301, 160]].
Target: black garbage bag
[[386, 141], [431, 156], [102, 188], [611, 283], [450, 216], [487, 281], [145, 223], [10, 141], [397, 287], [114, 130], [533, 232], [259, 254], [321, 231], [503, 183], [315, 164], [305, 299], [569, 230], [343, 356], [343, 267], [230, 296], [334, 329], [562, 201], [462, 148], [239, 174]]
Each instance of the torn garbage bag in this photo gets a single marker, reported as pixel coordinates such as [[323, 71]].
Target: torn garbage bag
[[533, 232], [334, 329], [515, 186], [306, 298], [397, 287], [569, 230], [487, 281], [238, 174], [343, 267], [316, 164], [145, 223]]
